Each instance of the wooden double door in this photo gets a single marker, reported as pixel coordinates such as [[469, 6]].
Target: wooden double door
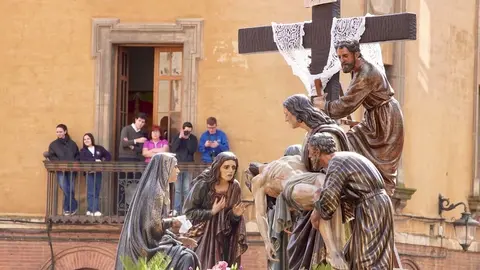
[[162, 101]]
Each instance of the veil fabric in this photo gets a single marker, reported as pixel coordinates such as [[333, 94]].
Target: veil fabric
[[144, 231]]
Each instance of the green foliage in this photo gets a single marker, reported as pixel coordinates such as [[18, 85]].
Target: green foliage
[[158, 262], [128, 263], [322, 267], [348, 234], [348, 231]]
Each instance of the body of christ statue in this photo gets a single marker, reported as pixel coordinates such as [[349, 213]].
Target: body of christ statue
[[306, 246], [379, 137], [351, 178], [293, 188], [265, 211]]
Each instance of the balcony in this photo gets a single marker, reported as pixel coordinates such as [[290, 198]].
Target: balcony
[[118, 183]]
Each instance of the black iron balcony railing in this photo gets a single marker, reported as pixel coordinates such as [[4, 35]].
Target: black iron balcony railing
[[113, 182]]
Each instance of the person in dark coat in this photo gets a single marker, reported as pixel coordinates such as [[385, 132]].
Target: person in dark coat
[[184, 145], [96, 153], [64, 149]]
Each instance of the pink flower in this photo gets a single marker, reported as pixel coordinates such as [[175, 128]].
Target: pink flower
[[221, 265]]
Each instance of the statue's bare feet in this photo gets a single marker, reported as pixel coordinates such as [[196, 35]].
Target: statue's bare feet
[[337, 261]]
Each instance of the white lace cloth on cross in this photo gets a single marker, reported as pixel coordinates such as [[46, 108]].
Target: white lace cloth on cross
[[289, 40]]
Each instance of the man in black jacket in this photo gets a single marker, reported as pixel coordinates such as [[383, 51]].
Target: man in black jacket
[[184, 146]]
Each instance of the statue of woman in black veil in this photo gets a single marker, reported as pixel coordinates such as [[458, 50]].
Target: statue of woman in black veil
[[145, 231]]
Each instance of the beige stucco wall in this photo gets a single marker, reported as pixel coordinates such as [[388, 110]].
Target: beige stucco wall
[[439, 104], [245, 92], [46, 78]]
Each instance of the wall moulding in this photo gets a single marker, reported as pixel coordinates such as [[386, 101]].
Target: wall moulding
[[109, 32]]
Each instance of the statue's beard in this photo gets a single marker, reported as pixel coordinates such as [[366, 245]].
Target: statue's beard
[[347, 68], [315, 164]]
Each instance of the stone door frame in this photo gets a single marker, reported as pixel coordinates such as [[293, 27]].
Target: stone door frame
[[107, 33]]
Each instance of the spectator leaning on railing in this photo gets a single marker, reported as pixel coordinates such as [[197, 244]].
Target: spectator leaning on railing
[[93, 152], [212, 142], [156, 145], [132, 138], [65, 149], [184, 145]]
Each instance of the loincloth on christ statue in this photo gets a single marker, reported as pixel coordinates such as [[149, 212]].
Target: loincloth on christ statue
[[297, 187], [279, 239], [297, 196], [306, 246]]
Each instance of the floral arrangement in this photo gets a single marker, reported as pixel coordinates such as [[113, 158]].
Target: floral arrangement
[[322, 267], [160, 262], [222, 265]]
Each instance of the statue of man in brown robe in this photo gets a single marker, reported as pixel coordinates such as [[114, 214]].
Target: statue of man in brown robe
[[353, 179], [379, 137]]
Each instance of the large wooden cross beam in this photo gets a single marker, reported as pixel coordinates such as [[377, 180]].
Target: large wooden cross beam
[[400, 26]]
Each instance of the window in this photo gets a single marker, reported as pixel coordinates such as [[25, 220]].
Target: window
[[168, 72]]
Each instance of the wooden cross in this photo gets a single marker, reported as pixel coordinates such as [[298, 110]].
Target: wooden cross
[[400, 26]]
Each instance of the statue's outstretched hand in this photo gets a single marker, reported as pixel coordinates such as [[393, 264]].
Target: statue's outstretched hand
[[315, 219], [239, 209], [188, 242], [316, 195], [319, 101], [270, 252], [176, 224]]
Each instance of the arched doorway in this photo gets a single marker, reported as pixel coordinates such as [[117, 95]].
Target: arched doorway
[[83, 258]]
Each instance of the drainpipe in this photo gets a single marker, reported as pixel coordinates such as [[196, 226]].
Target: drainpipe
[[476, 119]]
